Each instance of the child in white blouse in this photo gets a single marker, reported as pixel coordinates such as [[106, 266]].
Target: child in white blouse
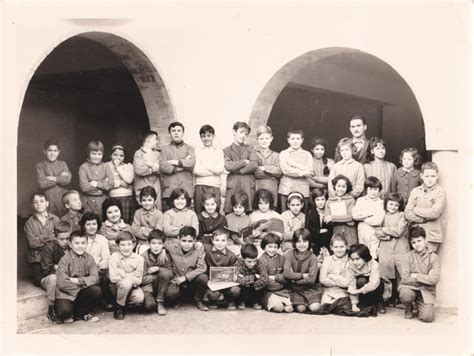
[[369, 211]]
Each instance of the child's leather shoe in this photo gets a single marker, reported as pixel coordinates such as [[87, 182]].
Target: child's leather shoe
[[408, 312], [201, 306], [160, 309], [119, 313]]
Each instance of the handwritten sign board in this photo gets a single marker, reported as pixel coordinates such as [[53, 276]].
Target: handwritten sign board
[[222, 278], [222, 274]]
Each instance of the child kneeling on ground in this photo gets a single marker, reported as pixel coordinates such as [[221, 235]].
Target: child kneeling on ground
[[157, 272], [251, 278], [50, 257], [218, 255], [420, 271], [126, 273], [334, 277], [77, 282], [190, 268]]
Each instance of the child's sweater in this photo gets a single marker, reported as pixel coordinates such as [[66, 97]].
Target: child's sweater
[[369, 269], [346, 216], [53, 190], [218, 258], [161, 260], [366, 206], [39, 234], [334, 276], [255, 278], [131, 265], [174, 220], [424, 207], [144, 221], [72, 265], [50, 256], [296, 264], [171, 177], [352, 170], [273, 266]]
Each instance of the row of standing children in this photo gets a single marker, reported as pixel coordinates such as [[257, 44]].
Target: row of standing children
[[199, 170]]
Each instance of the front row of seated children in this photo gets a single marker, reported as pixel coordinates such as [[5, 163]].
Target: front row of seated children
[[350, 282]]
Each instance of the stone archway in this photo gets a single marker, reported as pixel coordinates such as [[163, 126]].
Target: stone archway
[[70, 62], [152, 88], [341, 75]]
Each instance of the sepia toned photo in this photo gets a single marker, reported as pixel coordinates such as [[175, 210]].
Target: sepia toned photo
[[276, 175]]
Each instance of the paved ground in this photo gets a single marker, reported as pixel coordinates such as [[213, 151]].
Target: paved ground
[[188, 320]]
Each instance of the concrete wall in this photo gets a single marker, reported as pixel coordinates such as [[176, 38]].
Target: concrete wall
[[215, 59]]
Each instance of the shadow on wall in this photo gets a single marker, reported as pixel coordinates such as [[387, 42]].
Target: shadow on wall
[[92, 86], [320, 90]]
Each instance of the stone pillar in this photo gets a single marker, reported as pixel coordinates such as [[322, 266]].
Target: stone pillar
[[448, 286]]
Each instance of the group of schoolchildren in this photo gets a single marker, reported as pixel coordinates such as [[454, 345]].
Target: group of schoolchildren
[[343, 246]]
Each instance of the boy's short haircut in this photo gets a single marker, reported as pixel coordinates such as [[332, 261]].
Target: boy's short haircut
[[295, 195], [270, 238], [344, 178], [148, 191], [95, 145], [249, 251], [38, 193], [240, 199], [148, 134], [174, 124], [220, 231], [65, 198], [414, 153], [304, 234], [372, 182], [206, 129], [416, 231], [62, 227], [396, 198], [176, 193], [187, 231], [124, 235], [51, 142], [358, 117], [318, 192], [77, 233], [107, 204], [362, 251], [88, 216], [239, 125], [429, 165], [265, 195], [264, 129], [156, 234], [295, 132], [337, 237]]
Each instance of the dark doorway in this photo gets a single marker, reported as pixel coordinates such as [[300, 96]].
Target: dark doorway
[[80, 92]]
